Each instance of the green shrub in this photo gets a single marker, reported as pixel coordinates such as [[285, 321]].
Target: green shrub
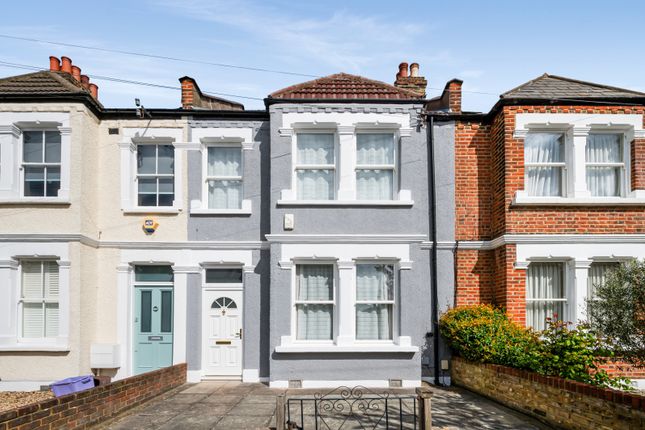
[[485, 334]]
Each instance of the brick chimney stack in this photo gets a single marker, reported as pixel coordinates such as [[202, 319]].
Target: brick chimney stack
[[66, 66], [454, 95], [411, 80], [187, 92]]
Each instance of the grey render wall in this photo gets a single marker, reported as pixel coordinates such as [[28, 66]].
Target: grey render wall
[[444, 152], [415, 297], [232, 227]]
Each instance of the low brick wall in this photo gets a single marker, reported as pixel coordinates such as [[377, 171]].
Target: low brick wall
[[81, 410], [555, 401]]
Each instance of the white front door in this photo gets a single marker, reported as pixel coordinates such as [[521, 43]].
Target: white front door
[[222, 333]]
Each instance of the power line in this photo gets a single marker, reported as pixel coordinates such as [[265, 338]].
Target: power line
[[159, 57], [127, 81]]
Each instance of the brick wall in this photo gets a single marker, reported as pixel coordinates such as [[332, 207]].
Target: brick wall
[[93, 406], [555, 401]]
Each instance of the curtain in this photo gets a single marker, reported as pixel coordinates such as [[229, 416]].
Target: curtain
[[374, 282], [315, 184], [315, 283], [374, 149], [603, 148], [224, 161], [224, 194], [374, 184], [544, 284], [544, 148], [597, 276], [315, 148]]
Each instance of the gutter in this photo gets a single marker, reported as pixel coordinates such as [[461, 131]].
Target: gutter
[[432, 198]]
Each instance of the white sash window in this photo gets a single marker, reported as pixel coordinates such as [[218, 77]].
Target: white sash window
[[315, 166], [41, 163], [605, 165], [544, 161], [545, 294], [375, 166], [315, 301], [375, 292], [224, 177], [156, 175], [39, 299]]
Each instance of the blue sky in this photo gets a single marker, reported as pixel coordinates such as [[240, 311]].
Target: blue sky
[[492, 46]]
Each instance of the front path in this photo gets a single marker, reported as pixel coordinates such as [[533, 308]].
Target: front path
[[233, 405]]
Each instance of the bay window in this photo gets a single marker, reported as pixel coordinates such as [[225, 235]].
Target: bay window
[[375, 293], [224, 177], [605, 165], [41, 163], [315, 166], [375, 166], [155, 175], [544, 162], [39, 299], [315, 302], [546, 295]]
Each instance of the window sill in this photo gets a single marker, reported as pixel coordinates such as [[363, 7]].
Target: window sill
[[36, 347], [220, 212], [577, 201], [36, 201], [347, 203], [357, 347], [152, 210]]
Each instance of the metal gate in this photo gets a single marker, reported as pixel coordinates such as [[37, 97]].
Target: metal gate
[[353, 408]]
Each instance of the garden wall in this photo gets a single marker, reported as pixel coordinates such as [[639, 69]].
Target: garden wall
[[81, 410], [555, 401]]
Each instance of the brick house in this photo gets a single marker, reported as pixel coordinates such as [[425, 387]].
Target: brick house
[[549, 194]]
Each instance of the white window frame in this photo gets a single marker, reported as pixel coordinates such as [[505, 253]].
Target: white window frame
[[394, 167], [579, 127], [564, 166], [303, 167], [295, 302], [11, 153], [568, 285], [244, 204], [156, 175], [132, 137], [44, 300], [393, 302], [44, 164], [624, 169], [346, 126]]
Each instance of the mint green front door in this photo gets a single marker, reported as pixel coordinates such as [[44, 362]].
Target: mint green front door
[[153, 314]]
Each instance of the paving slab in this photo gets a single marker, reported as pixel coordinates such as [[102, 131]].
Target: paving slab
[[233, 405]]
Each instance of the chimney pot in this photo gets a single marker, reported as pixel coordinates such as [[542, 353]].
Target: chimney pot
[[414, 70], [76, 72], [66, 65], [85, 82], [94, 90], [403, 70], [54, 64]]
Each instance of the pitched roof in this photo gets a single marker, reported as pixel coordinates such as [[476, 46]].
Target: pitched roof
[[343, 86], [39, 83], [554, 87]]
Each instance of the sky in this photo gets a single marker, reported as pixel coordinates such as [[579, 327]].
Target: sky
[[492, 46]]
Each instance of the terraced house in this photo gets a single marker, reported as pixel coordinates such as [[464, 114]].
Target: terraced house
[[550, 194], [290, 245]]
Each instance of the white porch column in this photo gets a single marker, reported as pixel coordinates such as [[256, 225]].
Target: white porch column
[[9, 286], [124, 317], [579, 311], [64, 300], [579, 174], [180, 316], [347, 157], [345, 303]]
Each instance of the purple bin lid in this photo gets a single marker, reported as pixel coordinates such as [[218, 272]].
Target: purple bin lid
[[74, 379]]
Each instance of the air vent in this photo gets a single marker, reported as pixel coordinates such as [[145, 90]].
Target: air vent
[[395, 383], [113, 131], [295, 383]]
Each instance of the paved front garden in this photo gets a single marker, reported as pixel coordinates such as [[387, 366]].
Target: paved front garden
[[233, 405]]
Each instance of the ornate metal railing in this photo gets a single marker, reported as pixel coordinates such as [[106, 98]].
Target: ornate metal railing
[[352, 408]]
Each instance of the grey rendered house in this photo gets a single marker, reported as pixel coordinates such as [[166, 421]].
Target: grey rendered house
[[350, 251]]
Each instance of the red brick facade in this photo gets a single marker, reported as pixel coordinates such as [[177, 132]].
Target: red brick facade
[[489, 170]]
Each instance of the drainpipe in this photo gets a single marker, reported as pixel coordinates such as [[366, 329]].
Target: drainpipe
[[432, 198]]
